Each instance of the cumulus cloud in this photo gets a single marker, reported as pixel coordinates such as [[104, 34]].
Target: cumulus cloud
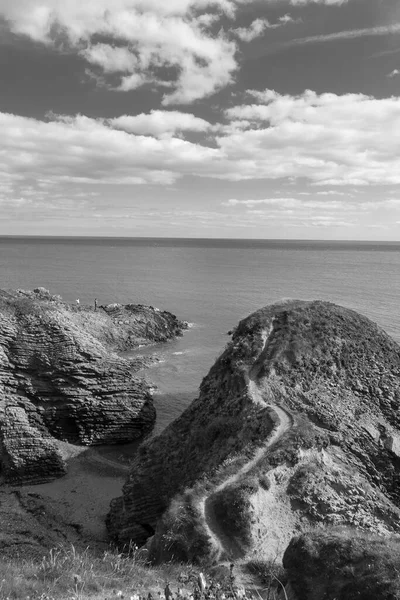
[[146, 37], [326, 139], [112, 59], [257, 28], [394, 73], [91, 152], [160, 122]]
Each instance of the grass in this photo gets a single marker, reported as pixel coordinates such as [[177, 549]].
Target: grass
[[271, 575], [68, 574]]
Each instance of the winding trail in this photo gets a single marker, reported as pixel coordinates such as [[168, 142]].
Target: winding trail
[[227, 546]]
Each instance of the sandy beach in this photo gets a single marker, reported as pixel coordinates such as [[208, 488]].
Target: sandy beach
[[85, 492]]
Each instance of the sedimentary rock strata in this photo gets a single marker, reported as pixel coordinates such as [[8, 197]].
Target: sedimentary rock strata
[[293, 430], [60, 378]]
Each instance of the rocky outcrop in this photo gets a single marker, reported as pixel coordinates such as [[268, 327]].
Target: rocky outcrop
[[343, 565], [61, 379], [227, 480]]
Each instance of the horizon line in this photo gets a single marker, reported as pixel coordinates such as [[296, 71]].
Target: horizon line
[[108, 237]]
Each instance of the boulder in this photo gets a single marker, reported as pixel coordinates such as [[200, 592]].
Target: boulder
[[343, 565]]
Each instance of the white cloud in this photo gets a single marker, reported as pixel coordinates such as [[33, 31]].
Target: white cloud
[[295, 212], [145, 38], [349, 34], [292, 204], [147, 35], [91, 152], [111, 59], [326, 2], [324, 139], [332, 193], [159, 123], [394, 73], [329, 139], [258, 26]]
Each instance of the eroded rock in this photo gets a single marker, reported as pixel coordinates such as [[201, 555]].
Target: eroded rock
[[61, 379], [333, 371]]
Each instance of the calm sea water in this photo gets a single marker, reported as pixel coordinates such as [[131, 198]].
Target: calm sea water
[[211, 283]]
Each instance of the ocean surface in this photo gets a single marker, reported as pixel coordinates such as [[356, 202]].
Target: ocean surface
[[210, 283]]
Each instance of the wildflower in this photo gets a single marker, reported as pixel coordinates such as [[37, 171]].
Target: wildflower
[[201, 581]]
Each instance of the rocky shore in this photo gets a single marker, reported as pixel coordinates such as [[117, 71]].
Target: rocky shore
[[61, 378], [289, 456]]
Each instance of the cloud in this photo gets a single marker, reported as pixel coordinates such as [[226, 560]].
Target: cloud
[[326, 2], [145, 36], [350, 34], [295, 212], [394, 73], [292, 204], [329, 139], [138, 41], [258, 26], [111, 59], [78, 149], [325, 139], [316, 212], [160, 122], [332, 193]]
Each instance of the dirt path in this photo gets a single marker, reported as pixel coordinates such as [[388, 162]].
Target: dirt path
[[227, 546]]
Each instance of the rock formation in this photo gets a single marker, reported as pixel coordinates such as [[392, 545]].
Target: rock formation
[[61, 378], [342, 565], [293, 430]]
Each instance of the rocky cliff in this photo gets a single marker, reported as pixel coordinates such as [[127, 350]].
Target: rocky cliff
[[296, 427], [61, 378]]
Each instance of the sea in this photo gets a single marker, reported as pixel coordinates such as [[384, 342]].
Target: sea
[[211, 283]]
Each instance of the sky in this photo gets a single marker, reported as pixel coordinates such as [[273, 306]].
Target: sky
[[200, 118]]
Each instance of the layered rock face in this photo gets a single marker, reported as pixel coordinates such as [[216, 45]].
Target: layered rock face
[[295, 428], [61, 380]]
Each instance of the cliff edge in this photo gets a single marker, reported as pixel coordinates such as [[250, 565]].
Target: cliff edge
[[62, 379], [296, 427]]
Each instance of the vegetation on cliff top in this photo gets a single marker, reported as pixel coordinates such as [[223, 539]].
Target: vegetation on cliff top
[[343, 564], [337, 374]]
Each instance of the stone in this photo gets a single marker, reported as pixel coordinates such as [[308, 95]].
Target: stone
[[343, 565], [372, 431], [61, 378], [289, 368], [392, 443]]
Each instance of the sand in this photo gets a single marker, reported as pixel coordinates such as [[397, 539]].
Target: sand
[[95, 476]]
